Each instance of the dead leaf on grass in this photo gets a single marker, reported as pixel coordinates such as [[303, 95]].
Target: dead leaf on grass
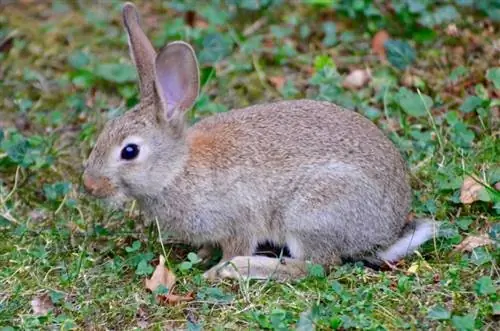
[[357, 78], [172, 299], [417, 266], [471, 242], [42, 304], [7, 43], [452, 30], [277, 81], [165, 277], [471, 190], [378, 42], [161, 276]]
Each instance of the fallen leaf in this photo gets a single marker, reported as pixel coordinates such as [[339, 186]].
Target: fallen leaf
[[172, 299], [413, 268], [277, 81], [42, 304], [193, 20], [416, 266], [409, 80], [378, 42], [452, 30], [165, 277], [471, 242], [161, 276], [7, 43], [471, 190], [357, 78]]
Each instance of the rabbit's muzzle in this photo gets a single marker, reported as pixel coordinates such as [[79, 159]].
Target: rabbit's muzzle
[[100, 187]]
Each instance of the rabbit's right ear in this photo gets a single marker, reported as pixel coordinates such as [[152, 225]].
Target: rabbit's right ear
[[141, 50], [177, 79]]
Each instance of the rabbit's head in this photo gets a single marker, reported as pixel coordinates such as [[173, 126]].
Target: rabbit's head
[[146, 144]]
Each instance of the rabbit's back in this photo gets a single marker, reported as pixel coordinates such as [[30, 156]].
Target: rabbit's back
[[289, 134]]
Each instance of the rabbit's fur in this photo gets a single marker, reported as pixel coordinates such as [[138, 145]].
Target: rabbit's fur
[[322, 180]]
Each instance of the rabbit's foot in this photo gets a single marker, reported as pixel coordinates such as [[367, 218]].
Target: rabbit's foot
[[205, 252], [236, 268], [258, 267]]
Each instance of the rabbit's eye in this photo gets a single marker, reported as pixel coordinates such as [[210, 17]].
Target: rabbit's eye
[[130, 152]]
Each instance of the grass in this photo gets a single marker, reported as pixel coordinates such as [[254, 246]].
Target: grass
[[65, 70]]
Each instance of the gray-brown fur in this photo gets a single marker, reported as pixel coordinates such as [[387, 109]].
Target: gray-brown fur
[[320, 179]]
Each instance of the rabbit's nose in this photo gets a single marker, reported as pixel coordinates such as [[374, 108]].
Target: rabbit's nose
[[98, 186], [90, 184]]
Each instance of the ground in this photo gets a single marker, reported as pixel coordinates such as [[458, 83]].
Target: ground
[[431, 82]]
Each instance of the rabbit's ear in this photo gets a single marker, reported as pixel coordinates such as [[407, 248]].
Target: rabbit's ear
[[177, 78], [141, 50]]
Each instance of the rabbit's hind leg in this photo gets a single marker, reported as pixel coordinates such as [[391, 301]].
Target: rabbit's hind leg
[[232, 247], [259, 267]]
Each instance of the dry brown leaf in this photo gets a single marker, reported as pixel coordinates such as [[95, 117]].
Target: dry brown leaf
[[471, 242], [452, 30], [165, 277], [357, 78], [161, 276], [409, 80], [172, 299], [378, 42], [470, 191], [42, 304], [277, 81]]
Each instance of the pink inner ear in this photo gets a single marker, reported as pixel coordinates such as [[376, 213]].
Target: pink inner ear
[[173, 87]]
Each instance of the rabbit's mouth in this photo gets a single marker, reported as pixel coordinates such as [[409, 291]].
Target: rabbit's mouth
[[116, 201]]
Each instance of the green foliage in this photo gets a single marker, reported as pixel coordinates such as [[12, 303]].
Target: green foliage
[[464, 323], [26, 152], [215, 47], [438, 313], [56, 191], [413, 104], [484, 286], [471, 103], [440, 15], [116, 72], [193, 259], [214, 295], [493, 75], [399, 53]]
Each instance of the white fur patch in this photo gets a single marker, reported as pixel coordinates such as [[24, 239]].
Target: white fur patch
[[425, 230], [294, 246]]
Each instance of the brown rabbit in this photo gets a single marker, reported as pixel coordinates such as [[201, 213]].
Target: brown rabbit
[[322, 180]]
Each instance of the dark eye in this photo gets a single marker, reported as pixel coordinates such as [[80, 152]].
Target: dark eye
[[130, 152]]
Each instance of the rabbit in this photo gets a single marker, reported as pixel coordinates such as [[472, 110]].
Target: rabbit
[[321, 180]]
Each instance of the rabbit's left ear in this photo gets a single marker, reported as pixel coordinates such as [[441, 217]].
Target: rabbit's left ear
[[141, 50], [177, 78]]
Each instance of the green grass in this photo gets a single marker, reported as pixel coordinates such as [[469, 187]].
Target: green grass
[[65, 69]]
